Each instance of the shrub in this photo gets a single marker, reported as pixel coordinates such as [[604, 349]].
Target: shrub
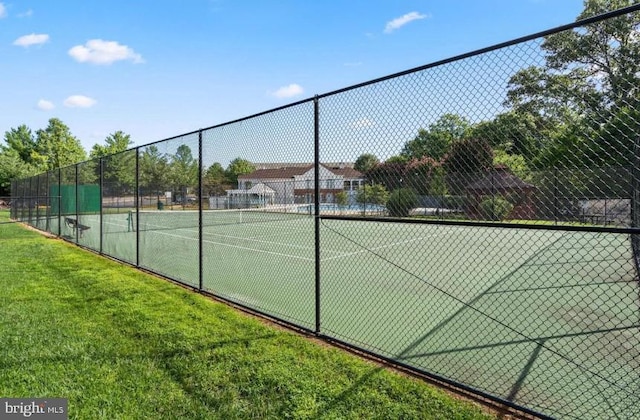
[[401, 201], [495, 208], [372, 194]]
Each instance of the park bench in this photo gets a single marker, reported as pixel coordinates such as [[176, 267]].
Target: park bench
[[73, 224]]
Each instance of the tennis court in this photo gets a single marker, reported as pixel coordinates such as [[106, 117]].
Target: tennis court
[[535, 315]]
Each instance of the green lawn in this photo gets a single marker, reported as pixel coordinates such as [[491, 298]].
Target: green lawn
[[121, 344], [530, 315]]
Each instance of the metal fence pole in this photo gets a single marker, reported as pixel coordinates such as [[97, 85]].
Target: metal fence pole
[[137, 195], [48, 206], [200, 221], [555, 195], [100, 173], [59, 202], [29, 211], [77, 202], [316, 141], [37, 203]]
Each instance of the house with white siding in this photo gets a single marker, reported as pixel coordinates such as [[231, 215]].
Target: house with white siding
[[295, 183]]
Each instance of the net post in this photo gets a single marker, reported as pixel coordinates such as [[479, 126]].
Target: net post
[[316, 142], [200, 221], [137, 197]]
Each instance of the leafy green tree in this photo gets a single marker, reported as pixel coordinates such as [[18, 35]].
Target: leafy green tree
[[119, 173], [365, 162], [397, 159], [389, 174], [435, 141], [58, 145], [13, 167], [495, 208], [607, 53], [154, 170], [513, 132], [238, 166], [467, 160], [590, 76], [183, 171], [516, 164], [21, 140], [419, 174], [214, 180], [342, 199], [372, 194], [469, 156], [114, 143], [401, 201]]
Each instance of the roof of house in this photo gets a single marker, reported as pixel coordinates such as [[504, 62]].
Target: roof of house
[[499, 179], [278, 165], [259, 189], [276, 173], [285, 172]]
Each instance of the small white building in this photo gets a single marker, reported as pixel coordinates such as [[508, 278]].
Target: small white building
[[295, 183], [259, 195]]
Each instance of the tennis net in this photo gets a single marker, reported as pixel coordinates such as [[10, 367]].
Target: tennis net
[[147, 220]]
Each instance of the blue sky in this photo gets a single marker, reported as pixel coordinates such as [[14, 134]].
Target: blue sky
[[156, 69]]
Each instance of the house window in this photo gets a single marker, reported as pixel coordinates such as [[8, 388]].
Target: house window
[[248, 185], [347, 185]]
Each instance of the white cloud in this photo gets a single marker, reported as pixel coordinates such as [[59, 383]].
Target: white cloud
[[288, 91], [363, 123], [403, 20], [353, 64], [28, 13], [79, 101], [45, 105], [3, 11], [29, 40], [98, 51]]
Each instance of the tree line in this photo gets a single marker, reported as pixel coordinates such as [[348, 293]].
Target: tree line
[[25, 153]]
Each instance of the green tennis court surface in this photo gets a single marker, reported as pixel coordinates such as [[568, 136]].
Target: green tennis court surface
[[532, 315]]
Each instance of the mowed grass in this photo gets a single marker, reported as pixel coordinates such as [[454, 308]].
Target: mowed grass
[[122, 344]]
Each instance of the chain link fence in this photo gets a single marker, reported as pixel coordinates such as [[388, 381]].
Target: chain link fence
[[475, 220]]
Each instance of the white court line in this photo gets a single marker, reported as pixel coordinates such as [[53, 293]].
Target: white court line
[[233, 246], [277, 243], [252, 239], [381, 247]]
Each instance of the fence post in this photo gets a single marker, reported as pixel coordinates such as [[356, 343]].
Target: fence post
[[101, 186], [29, 201], [316, 142], [48, 205], [555, 195], [635, 182], [77, 202], [59, 202], [200, 221], [137, 198]]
